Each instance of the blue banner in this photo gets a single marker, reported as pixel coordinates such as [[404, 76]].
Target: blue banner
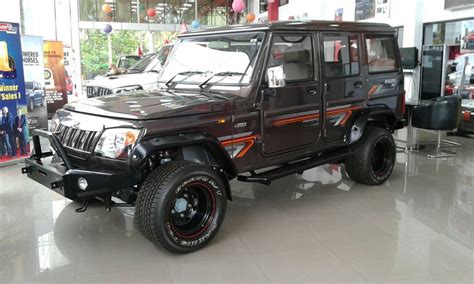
[[14, 125]]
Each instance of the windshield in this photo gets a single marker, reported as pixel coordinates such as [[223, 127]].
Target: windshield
[[161, 57], [141, 64], [216, 59], [127, 61]]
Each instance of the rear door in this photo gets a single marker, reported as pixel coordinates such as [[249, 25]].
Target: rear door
[[385, 78], [343, 81]]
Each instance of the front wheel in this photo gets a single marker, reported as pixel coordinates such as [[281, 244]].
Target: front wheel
[[374, 157], [181, 206]]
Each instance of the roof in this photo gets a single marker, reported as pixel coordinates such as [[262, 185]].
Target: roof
[[297, 25]]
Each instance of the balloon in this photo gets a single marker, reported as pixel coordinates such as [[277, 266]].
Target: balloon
[[151, 12], [107, 29], [250, 17], [106, 8], [142, 7], [195, 24], [238, 6]]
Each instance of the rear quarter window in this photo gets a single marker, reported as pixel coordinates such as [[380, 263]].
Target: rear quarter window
[[381, 54]]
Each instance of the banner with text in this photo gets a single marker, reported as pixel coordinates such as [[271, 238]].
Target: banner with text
[[33, 65], [14, 141], [54, 76]]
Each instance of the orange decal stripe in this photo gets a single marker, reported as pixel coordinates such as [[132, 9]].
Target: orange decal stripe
[[313, 116], [248, 140], [246, 148], [295, 119], [346, 118], [372, 90]]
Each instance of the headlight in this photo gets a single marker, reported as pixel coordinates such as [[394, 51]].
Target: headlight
[[127, 89], [117, 143], [54, 123]]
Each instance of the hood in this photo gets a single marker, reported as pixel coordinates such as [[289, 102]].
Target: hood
[[151, 105], [117, 81]]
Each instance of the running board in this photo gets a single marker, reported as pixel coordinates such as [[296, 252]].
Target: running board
[[297, 167]]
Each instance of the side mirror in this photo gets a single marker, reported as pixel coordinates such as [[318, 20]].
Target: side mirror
[[276, 77]]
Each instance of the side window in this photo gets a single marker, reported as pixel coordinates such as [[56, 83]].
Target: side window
[[341, 55], [381, 54], [295, 53]]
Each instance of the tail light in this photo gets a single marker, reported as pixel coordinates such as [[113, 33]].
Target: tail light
[[466, 115]]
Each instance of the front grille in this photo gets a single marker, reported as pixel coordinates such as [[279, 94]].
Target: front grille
[[78, 139], [97, 91]]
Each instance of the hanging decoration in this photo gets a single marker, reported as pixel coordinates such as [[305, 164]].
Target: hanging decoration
[[195, 24], [106, 8], [151, 12], [141, 7], [238, 6], [250, 17], [182, 28], [107, 29]]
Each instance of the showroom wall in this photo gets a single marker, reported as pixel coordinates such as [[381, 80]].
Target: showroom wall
[[10, 11]]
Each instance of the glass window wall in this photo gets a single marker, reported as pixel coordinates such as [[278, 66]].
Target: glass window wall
[[210, 12], [459, 37]]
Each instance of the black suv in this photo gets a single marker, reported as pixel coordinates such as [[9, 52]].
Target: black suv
[[252, 102]]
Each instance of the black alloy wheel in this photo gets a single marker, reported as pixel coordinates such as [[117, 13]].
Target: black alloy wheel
[[192, 210]]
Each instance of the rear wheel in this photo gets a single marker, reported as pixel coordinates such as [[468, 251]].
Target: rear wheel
[[181, 206], [374, 157]]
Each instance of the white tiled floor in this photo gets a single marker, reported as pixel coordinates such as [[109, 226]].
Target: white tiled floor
[[319, 226]]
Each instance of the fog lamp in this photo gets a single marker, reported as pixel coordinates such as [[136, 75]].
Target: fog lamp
[[82, 183]]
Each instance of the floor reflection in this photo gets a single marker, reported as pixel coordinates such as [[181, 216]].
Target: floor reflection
[[418, 225]]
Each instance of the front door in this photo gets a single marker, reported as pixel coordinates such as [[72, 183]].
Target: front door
[[291, 113], [344, 85]]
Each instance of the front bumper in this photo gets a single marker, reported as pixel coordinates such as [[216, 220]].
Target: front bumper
[[63, 177]]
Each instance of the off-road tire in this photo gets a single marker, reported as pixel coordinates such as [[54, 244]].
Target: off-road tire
[[159, 195], [367, 166]]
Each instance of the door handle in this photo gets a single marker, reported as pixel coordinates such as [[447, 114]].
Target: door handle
[[312, 91], [358, 84]]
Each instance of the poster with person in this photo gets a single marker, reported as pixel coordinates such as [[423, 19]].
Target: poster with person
[[14, 141], [54, 76], [33, 66]]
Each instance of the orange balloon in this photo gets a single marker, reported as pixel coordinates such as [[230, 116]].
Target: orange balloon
[[106, 8], [250, 17]]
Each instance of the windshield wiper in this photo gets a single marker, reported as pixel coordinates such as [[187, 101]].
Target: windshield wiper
[[184, 73], [224, 74]]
